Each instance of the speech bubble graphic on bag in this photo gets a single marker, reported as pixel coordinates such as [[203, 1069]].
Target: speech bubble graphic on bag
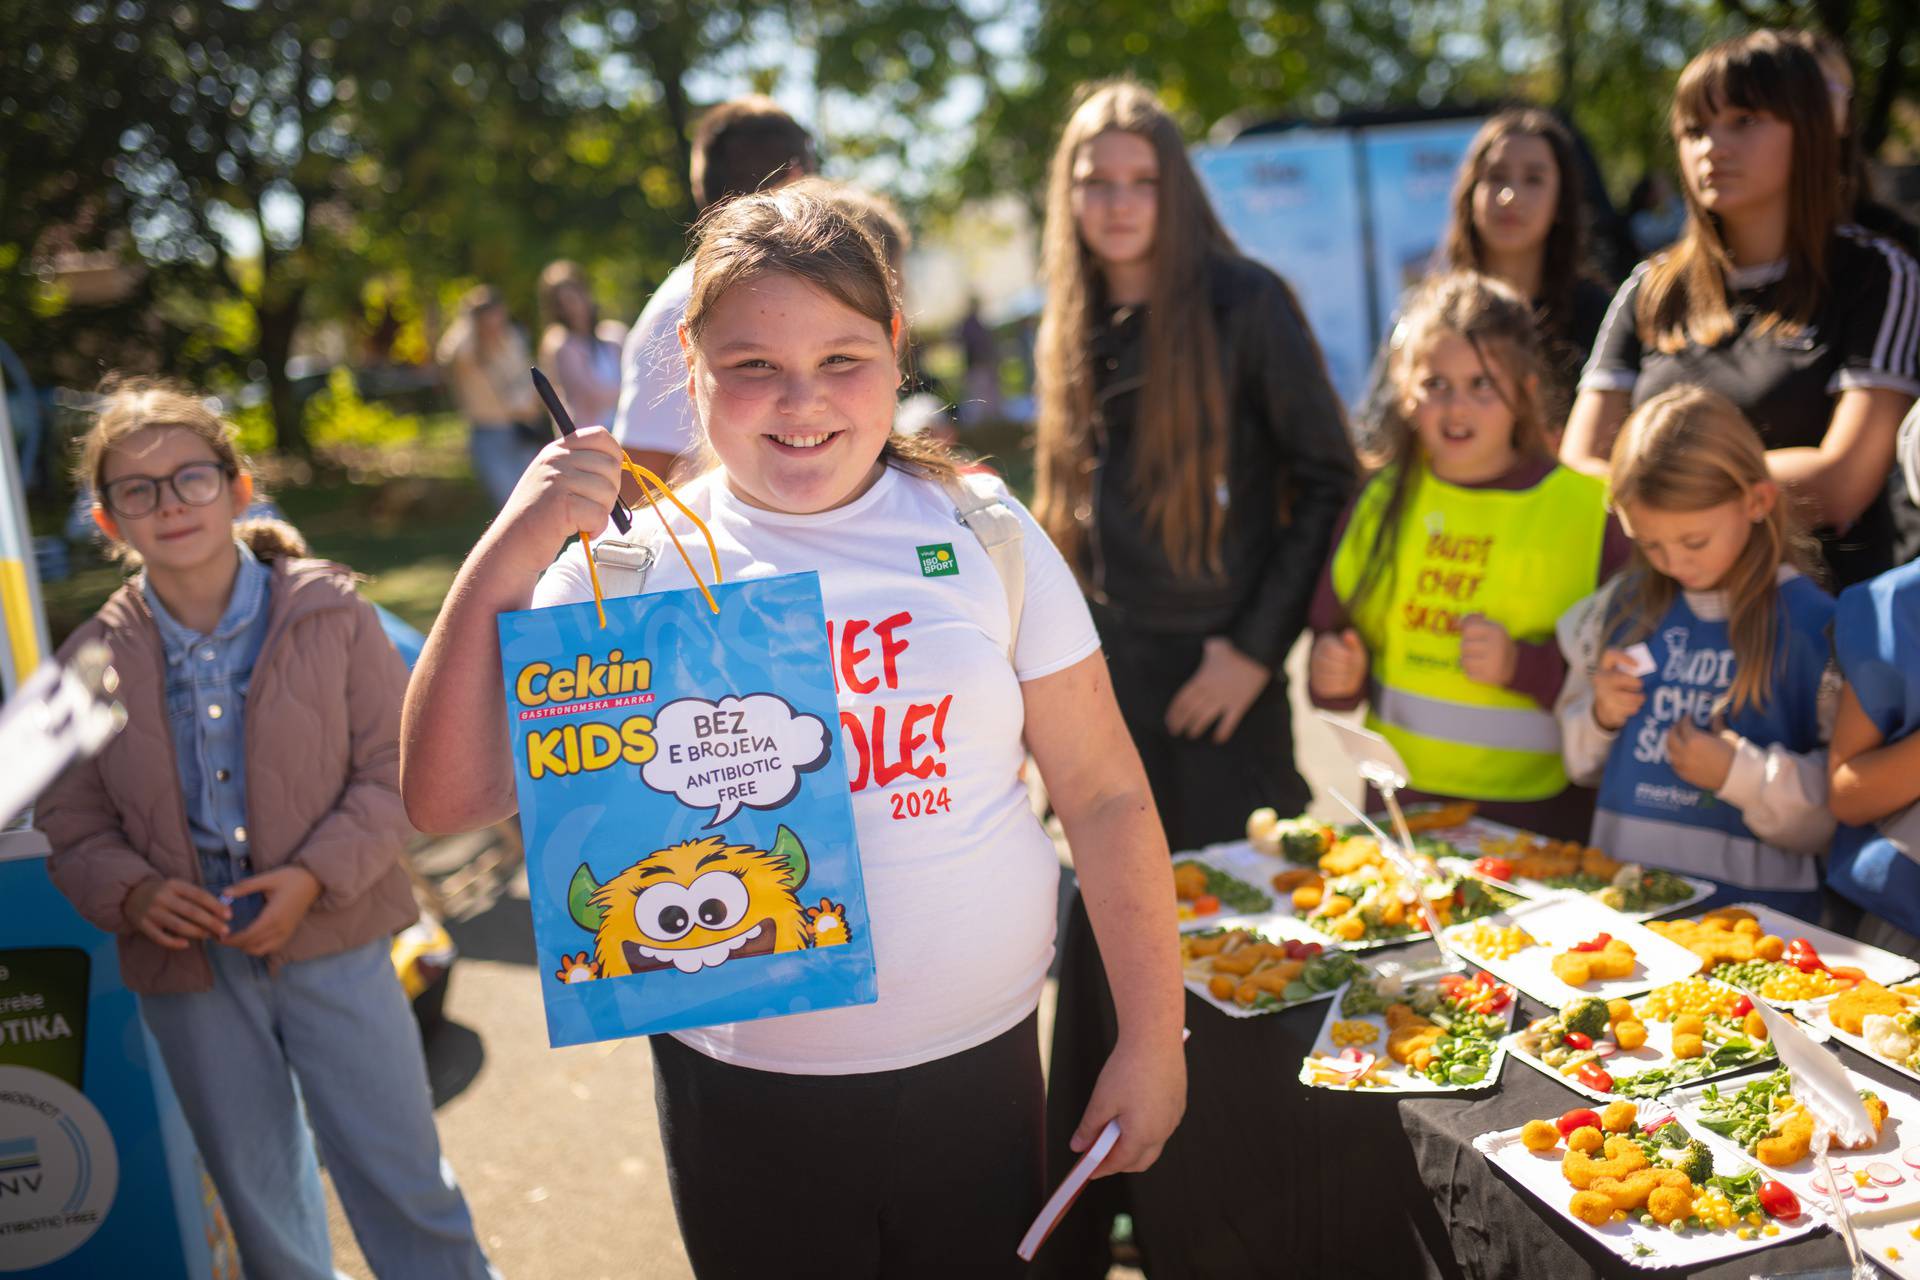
[[738, 751]]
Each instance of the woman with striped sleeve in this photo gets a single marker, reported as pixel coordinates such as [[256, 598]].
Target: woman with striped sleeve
[[1808, 323]]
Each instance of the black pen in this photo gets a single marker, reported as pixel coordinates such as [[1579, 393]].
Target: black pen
[[621, 520]]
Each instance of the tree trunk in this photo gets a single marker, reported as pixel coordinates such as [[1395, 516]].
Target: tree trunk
[[277, 322]]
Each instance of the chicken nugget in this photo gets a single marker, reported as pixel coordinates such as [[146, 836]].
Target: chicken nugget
[[1307, 896], [1849, 1009], [1539, 1135], [1630, 1033], [1189, 881], [1790, 1145], [1335, 904], [1670, 1204], [1728, 916], [1688, 1045], [1769, 947], [1586, 1139], [1350, 928], [1754, 1025], [1618, 1009], [1691, 1024], [1292, 878], [1592, 1208], [1211, 944], [1220, 987], [1749, 928], [1240, 963], [1628, 1193], [1619, 1117], [1572, 968], [1595, 863], [1876, 1112]]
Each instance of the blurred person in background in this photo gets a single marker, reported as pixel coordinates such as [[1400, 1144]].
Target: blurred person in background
[[578, 350], [486, 359]]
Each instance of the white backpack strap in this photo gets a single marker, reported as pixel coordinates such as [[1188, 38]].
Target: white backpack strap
[[624, 566], [1000, 534]]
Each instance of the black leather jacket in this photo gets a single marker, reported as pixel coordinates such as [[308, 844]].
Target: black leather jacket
[[1290, 472]]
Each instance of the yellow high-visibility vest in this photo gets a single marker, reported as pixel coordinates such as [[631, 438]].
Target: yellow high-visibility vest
[[1520, 557]]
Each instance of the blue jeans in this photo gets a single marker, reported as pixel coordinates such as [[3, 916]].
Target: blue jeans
[[335, 1034], [499, 455]]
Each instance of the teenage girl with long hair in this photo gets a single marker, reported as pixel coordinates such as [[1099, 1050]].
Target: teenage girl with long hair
[[1808, 324], [579, 350], [1192, 459]]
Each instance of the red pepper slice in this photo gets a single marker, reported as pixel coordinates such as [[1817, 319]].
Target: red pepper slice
[[1579, 1118], [1599, 943], [1578, 1040], [1493, 868], [1594, 1078]]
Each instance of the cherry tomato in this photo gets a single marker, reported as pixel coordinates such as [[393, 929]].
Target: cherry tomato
[[1743, 1006], [1802, 956], [1493, 868], [1578, 1118], [1308, 950], [1594, 1078], [1778, 1200], [1205, 905], [1576, 1040], [1292, 948]]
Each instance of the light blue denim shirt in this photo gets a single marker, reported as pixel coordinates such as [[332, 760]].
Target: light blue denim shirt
[[207, 679]]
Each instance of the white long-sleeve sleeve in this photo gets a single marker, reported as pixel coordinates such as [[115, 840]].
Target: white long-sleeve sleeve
[[1783, 794], [1584, 745]]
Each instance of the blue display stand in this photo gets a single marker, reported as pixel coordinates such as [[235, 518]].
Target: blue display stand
[[98, 1173]]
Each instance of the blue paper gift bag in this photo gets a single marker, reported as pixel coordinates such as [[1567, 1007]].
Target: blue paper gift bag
[[691, 852]]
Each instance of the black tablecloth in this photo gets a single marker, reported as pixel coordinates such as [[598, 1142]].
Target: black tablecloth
[[1498, 1230]]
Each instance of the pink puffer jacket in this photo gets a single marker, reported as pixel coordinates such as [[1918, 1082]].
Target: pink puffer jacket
[[323, 764]]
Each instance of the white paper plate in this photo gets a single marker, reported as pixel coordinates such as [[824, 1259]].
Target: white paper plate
[[1656, 1052], [1883, 967], [1473, 836], [1241, 861], [1888, 1237], [1418, 966], [1557, 924], [1274, 929], [1901, 1133], [1654, 1248]]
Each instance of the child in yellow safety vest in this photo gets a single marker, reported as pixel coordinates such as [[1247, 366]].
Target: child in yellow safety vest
[[1452, 566]]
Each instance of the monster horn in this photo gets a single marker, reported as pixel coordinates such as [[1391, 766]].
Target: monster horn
[[786, 846], [580, 906]]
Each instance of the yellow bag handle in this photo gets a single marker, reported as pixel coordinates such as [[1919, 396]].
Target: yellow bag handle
[[648, 483]]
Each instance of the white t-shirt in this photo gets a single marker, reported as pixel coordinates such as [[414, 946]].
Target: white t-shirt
[[961, 880], [654, 412]]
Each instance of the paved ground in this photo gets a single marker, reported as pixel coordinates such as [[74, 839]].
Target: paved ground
[[557, 1148]]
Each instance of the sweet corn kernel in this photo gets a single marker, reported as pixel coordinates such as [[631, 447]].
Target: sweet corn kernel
[[1691, 995], [1788, 983], [1770, 1230], [1744, 1233], [1354, 1033], [1495, 942]]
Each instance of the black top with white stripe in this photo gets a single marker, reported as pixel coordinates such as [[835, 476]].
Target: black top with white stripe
[[1865, 333]]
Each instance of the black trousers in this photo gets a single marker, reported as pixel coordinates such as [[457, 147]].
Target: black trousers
[[932, 1170], [1263, 1177]]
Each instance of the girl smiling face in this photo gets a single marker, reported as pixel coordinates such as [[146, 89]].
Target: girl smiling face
[[796, 390]]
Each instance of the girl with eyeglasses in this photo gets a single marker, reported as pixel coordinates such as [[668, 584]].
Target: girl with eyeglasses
[[242, 837]]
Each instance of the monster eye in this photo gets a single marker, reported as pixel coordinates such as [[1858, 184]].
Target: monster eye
[[664, 911], [719, 899]]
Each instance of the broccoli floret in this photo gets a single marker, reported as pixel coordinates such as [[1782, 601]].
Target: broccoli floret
[[1303, 839], [1694, 1160], [1588, 1016]]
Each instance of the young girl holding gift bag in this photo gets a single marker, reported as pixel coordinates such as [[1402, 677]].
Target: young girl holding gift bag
[[1700, 690], [242, 837], [904, 1135]]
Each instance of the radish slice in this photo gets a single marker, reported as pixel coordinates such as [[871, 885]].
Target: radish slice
[[1819, 1185], [1605, 1048], [1870, 1194], [1885, 1174], [1912, 1156]]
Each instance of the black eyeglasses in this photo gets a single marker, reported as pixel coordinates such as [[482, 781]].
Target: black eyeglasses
[[195, 484]]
